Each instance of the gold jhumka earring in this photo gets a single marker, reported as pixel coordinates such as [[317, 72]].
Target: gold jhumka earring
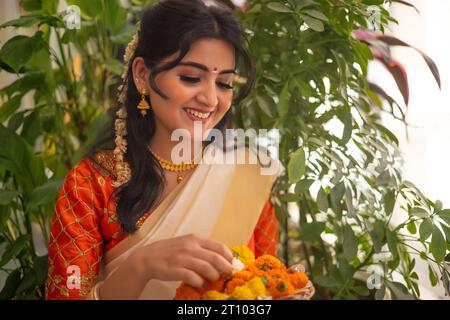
[[143, 105]]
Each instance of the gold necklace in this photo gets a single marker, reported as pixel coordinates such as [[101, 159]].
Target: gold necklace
[[172, 166]]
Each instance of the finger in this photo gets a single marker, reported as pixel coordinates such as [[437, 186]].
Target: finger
[[203, 268], [190, 277], [222, 265], [218, 247]]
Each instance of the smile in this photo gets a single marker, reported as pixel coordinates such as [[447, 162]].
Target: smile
[[196, 115]]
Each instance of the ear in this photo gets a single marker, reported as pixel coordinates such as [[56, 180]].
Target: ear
[[140, 74]]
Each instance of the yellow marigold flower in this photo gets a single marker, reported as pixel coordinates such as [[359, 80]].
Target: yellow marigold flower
[[243, 293], [215, 295], [268, 262], [257, 286], [244, 254], [233, 283]]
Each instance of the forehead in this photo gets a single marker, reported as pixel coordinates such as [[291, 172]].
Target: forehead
[[213, 53]]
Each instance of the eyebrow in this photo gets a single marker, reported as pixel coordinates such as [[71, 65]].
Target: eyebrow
[[203, 67]]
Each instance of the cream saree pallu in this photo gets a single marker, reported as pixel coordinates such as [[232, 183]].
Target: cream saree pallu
[[218, 201]]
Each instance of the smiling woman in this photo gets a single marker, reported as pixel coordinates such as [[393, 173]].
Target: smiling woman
[[131, 222]]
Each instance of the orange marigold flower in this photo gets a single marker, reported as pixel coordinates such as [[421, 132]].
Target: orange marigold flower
[[254, 270], [298, 279], [268, 262], [186, 292], [277, 273], [244, 274], [280, 288], [218, 285], [233, 283]]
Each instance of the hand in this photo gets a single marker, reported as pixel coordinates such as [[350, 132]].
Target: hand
[[189, 258]]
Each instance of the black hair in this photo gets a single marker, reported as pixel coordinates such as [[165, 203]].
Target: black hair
[[167, 27]]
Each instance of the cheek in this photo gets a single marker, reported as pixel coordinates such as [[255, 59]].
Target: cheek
[[225, 103]]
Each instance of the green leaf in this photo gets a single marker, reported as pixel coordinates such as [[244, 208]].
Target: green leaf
[[44, 194], [377, 235], [425, 229], [419, 212], [124, 36], [444, 215], [6, 196], [350, 243], [283, 104], [326, 282], [40, 267], [311, 232], [14, 249], [10, 107], [432, 276], [18, 50], [89, 9], [399, 291], [389, 202], [322, 200], [438, 245], [380, 293], [296, 166], [349, 201], [314, 24], [346, 117], [114, 66], [362, 291], [315, 14], [392, 242], [32, 128], [411, 227], [23, 21], [289, 197], [114, 16], [10, 286], [264, 105], [303, 186], [28, 281], [373, 2], [278, 7], [17, 156]]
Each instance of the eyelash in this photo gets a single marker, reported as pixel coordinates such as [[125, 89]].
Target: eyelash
[[196, 80]]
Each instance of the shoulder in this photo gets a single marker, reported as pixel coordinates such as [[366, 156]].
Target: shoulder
[[104, 162], [97, 168]]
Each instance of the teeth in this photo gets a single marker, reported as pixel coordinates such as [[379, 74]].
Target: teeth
[[198, 114]]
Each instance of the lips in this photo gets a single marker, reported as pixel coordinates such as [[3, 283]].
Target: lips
[[198, 115]]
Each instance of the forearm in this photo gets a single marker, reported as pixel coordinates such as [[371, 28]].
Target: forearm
[[127, 282]]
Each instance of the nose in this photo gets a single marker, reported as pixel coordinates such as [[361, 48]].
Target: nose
[[208, 95]]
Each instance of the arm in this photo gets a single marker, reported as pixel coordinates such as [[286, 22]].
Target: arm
[[76, 245]]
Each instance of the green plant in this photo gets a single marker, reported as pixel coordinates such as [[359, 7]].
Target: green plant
[[343, 165], [311, 73]]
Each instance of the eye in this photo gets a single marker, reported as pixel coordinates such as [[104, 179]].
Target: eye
[[224, 86], [189, 79]]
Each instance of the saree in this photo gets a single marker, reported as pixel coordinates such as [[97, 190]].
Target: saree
[[224, 202]]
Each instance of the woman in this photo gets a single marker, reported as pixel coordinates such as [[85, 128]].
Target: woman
[[132, 224]]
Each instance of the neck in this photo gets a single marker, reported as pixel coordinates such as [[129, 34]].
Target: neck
[[162, 145]]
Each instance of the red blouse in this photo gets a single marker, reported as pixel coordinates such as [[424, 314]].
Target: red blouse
[[84, 226]]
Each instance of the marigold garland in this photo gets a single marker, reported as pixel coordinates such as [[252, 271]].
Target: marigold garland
[[263, 278]]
